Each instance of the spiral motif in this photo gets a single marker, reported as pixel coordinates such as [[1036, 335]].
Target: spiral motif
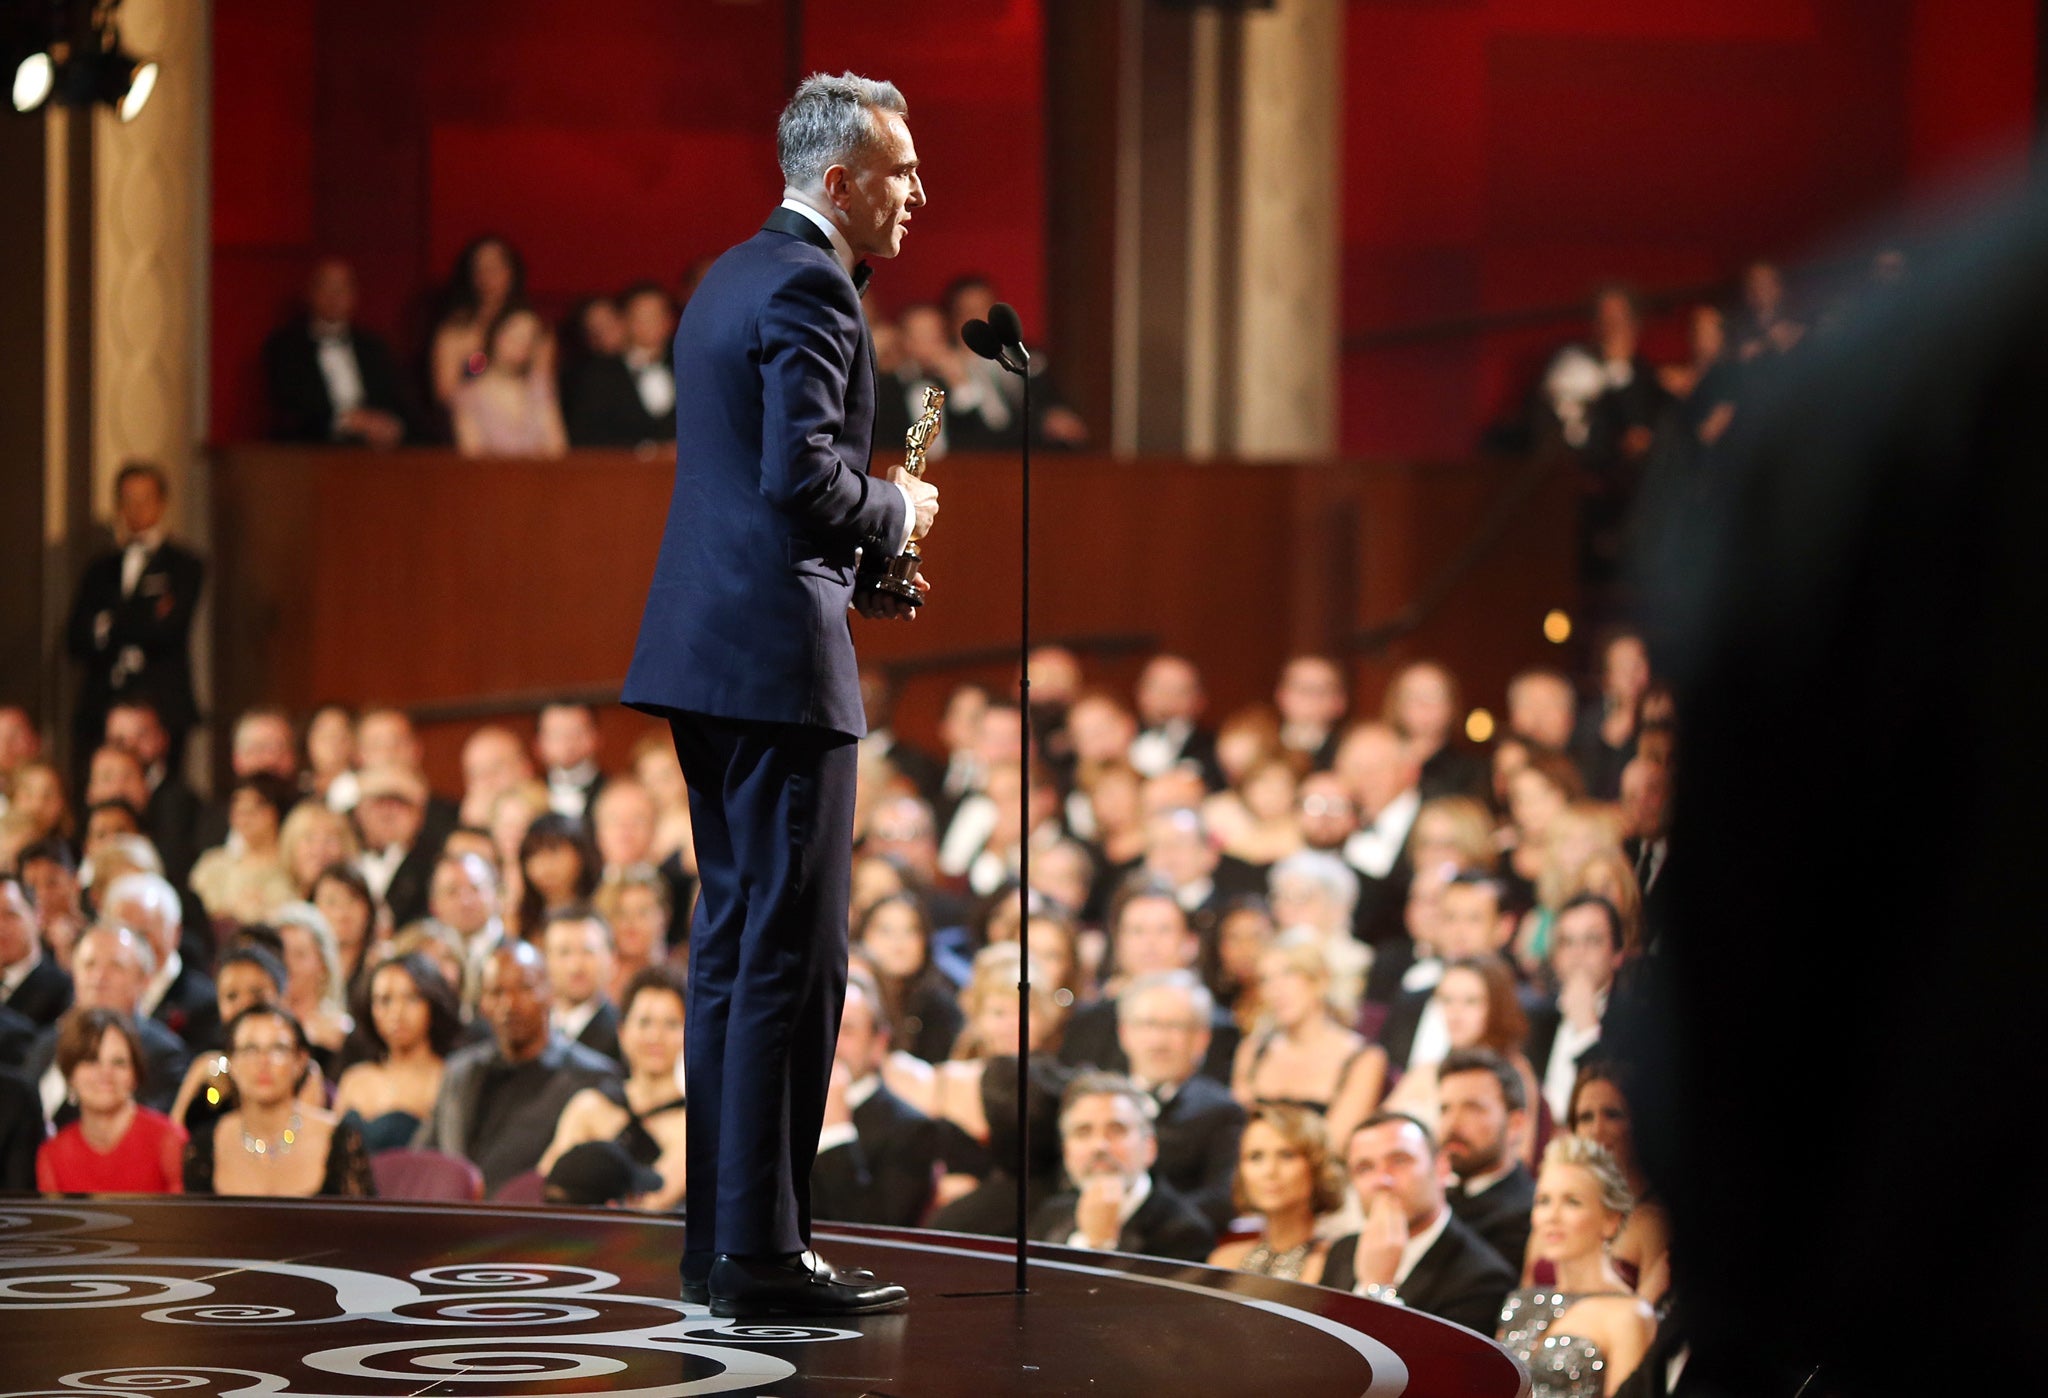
[[775, 1334], [507, 1313], [495, 1365], [136, 1380], [486, 1276], [79, 1290], [224, 1314]]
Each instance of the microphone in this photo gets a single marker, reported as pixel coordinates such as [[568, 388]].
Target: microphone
[[1002, 318], [982, 338]]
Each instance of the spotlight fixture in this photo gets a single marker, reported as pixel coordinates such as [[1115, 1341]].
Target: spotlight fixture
[[79, 60]]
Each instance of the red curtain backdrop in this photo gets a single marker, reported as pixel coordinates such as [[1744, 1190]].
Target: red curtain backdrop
[[610, 140]]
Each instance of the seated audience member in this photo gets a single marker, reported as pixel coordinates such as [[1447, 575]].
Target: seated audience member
[[878, 1156], [629, 398], [1605, 739], [50, 874], [567, 743], [441, 946], [1422, 705], [634, 903], [1181, 855], [464, 899], [412, 1022], [989, 1004], [1599, 1110], [494, 761], [489, 279], [1588, 1321], [32, 984], [625, 825], [171, 810], [249, 974], [38, 802], [1574, 837], [921, 1006], [315, 991], [329, 379], [1312, 696], [262, 742], [1543, 709], [1253, 820], [1287, 1179], [1482, 1108], [1149, 934], [330, 768], [630, 1132], [398, 854], [997, 420], [1383, 779], [1242, 937], [1327, 814], [501, 1101], [1302, 1056], [116, 1145], [509, 409], [1055, 946], [1453, 835], [1063, 873], [343, 897], [1164, 1023], [1316, 894], [115, 774], [558, 868], [22, 1133], [314, 838], [989, 1207], [1412, 1249], [1470, 923], [273, 1143], [1116, 1203], [246, 879], [578, 946], [512, 816], [592, 328], [1540, 792], [1480, 1011], [176, 991], [1169, 700], [1587, 950], [1645, 811]]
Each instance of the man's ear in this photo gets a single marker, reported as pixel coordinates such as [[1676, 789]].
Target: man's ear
[[838, 182]]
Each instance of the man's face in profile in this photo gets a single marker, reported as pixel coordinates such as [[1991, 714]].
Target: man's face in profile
[[880, 191]]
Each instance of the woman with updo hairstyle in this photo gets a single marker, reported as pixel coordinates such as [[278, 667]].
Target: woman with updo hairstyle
[[894, 938], [411, 1020], [116, 1146], [1584, 1335], [273, 1144], [1302, 1055], [1287, 1178], [558, 868]]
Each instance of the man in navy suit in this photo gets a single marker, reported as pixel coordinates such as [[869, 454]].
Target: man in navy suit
[[745, 649]]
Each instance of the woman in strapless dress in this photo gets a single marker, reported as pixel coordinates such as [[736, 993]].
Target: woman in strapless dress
[[1582, 1337]]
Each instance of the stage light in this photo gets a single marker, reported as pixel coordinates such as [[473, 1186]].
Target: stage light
[[1479, 725], [134, 81], [33, 80], [1557, 627], [79, 60]]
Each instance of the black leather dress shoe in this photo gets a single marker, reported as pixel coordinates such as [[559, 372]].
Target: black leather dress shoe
[[802, 1285], [697, 1291]]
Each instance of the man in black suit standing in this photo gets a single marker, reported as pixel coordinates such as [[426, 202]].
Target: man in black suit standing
[[330, 380], [744, 649], [1164, 1022], [1482, 1112], [877, 1154], [1413, 1250], [131, 620], [626, 399], [1117, 1203]]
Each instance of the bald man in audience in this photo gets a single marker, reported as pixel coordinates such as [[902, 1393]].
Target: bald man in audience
[[494, 761]]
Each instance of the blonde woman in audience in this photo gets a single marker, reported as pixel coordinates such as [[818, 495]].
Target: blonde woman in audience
[[1584, 1335], [510, 409], [313, 838], [272, 1143], [1286, 1178], [1304, 1055], [315, 991], [654, 763], [414, 1023], [1452, 835], [245, 879], [1609, 874], [604, 1131], [989, 1004], [1315, 891], [634, 901]]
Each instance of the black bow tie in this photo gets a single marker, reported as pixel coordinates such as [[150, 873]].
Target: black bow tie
[[861, 273]]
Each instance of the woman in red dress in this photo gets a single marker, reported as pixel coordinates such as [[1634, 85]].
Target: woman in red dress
[[116, 1146]]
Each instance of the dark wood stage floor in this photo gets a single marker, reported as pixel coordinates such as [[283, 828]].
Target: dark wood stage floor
[[205, 1298]]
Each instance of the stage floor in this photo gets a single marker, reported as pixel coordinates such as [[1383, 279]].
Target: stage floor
[[312, 1299]]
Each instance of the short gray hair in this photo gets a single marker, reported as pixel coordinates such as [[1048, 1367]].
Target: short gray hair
[[1338, 880], [1200, 1002], [828, 121]]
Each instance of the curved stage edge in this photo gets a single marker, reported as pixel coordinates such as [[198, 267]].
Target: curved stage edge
[[207, 1298]]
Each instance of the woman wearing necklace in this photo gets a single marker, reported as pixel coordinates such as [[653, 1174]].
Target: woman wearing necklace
[[1583, 1336], [115, 1146], [1286, 1176], [272, 1143]]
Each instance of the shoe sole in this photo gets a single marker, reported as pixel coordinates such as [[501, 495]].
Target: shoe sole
[[742, 1310]]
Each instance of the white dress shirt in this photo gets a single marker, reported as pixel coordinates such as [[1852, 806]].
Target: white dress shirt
[[13, 976], [654, 381], [1374, 849], [1154, 751], [569, 789], [1419, 1244], [1562, 1070], [337, 356], [1134, 1199], [575, 1019]]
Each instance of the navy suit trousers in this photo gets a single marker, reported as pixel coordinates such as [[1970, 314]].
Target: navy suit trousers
[[772, 809]]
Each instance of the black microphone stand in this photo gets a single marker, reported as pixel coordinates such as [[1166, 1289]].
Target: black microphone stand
[[1024, 860]]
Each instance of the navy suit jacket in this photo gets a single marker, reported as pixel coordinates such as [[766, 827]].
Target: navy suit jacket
[[775, 406]]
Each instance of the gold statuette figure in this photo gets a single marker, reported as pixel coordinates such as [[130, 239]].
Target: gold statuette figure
[[900, 579]]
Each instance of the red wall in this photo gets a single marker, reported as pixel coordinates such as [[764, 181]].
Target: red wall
[[1508, 154], [611, 140]]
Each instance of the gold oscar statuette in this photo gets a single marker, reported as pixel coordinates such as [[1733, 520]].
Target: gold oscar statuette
[[900, 579]]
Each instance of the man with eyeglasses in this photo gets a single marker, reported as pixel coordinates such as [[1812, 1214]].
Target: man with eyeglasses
[[1163, 1022]]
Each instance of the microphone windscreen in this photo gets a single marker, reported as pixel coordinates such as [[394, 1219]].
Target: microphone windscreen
[[1002, 318], [979, 337]]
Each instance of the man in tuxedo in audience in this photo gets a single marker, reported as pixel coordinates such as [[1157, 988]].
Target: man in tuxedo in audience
[[1412, 1249], [581, 960], [1543, 709], [1383, 778], [263, 741], [398, 858], [1182, 855], [1482, 1112], [463, 896], [110, 967], [1170, 702], [131, 619], [878, 1156], [1312, 698], [1586, 954], [1646, 822], [330, 380], [499, 1101], [386, 738], [32, 984], [1118, 1204], [1470, 921], [628, 399], [178, 994], [901, 830], [1328, 815], [1165, 1021], [1149, 933], [566, 742], [172, 810], [997, 743]]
